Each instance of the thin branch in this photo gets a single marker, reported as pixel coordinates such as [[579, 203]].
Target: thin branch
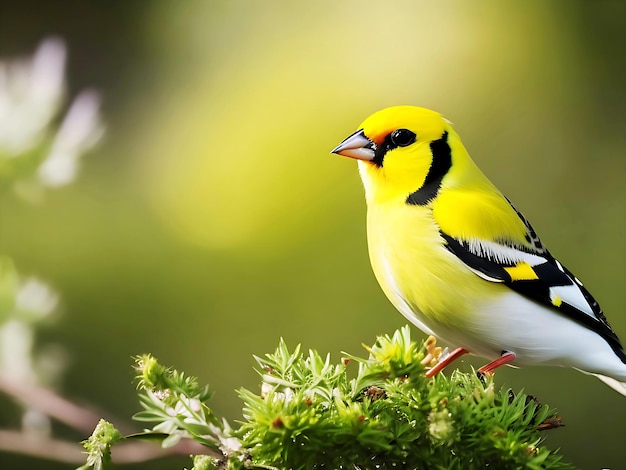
[[81, 419], [68, 452], [51, 404], [45, 448]]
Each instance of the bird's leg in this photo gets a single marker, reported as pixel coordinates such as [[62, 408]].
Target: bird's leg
[[505, 358], [458, 352]]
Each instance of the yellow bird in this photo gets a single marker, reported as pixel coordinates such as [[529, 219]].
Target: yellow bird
[[461, 263]]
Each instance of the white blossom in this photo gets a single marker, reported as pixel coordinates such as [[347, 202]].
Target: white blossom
[[31, 92], [32, 96], [35, 299], [80, 131]]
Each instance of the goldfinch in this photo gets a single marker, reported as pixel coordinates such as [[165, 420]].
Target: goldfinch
[[461, 263]]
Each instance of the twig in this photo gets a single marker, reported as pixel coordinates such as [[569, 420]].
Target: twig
[[68, 452], [52, 405], [81, 419], [43, 447]]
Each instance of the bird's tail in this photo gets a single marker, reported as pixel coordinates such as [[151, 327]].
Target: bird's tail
[[616, 385]]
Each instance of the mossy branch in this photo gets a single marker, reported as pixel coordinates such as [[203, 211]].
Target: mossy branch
[[312, 413]]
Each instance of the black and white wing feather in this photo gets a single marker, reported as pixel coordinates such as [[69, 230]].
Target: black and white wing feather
[[533, 272]]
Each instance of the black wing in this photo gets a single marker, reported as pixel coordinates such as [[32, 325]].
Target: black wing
[[533, 272]]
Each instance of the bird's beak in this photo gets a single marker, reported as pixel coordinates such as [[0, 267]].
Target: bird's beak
[[357, 146]]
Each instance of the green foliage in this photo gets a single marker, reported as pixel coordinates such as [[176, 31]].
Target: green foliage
[[176, 403], [98, 445], [312, 414]]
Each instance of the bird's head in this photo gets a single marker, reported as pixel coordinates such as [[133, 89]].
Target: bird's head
[[403, 151]]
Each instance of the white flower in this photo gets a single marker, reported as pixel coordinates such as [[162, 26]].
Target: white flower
[[35, 299], [80, 131], [185, 406], [32, 92]]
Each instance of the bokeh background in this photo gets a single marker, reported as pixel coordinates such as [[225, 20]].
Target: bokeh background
[[211, 220]]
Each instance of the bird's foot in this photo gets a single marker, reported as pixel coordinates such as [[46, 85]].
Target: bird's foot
[[445, 360], [505, 358], [433, 352]]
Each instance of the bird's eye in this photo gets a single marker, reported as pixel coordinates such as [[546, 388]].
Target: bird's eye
[[403, 137]]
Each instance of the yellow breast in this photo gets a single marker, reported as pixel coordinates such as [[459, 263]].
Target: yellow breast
[[417, 272]]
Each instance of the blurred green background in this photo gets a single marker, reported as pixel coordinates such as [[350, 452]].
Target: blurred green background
[[212, 220]]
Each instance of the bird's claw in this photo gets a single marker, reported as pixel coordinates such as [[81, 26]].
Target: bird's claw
[[433, 352]]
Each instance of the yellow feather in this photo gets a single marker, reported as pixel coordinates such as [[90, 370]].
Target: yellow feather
[[412, 265], [470, 207], [523, 272]]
